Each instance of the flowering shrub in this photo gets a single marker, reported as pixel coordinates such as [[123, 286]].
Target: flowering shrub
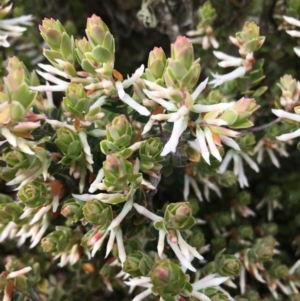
[[134, 187]]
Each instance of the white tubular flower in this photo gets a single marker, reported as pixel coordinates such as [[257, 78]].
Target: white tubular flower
[[179, 112], [143, 282], [238, 168], [16, 141], [120, 86], [179, 127], [221, 79], [86, 150], [60, 85], [98, 180], [291, 116], [270, 147], [11, 27], [186, 191]]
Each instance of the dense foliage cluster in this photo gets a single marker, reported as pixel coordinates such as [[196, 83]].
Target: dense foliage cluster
[[176, 182]]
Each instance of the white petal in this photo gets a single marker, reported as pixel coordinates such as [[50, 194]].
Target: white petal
[[198, 108], [292, 21], [230, 142], [164, 103], [297, 51], [135, 105], [142, 295], [126, 208], [209, 281], [52, 78], [196, 189], [293, 33], [98, 179], [220, 79], [200, 296], [9, 136], [202, 143], [18, 273], [211, 144], [183, 260], [199, 89], [135, 76], [47, 88], [53, 70], [143, 211], [161, 242], [273, 157], [186, 187], [148, 126], [214, 42], [286, 137], [224, 57], [179, 127], [284, 114], [250, 161], [121, 249], [180, 113]]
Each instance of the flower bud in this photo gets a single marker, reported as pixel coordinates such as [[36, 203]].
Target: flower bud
[[138, 264], [209, 268], [76, 101], [196, 239], [119, 132], [72, 210], [167, 278], [69, 143], [35, 194], [182, 71], [98, 213], [288, 86], [237, 115], [214, 294], [252, 295], [269, 229], [17, 92], [101, 40], [245, 232], [117, 171], [274, 192], [52, 31], [10, 212], [249, 38], [227, 265], [21, 284], [179, 216], [57, 240], [107, 271], [263, 250], [156, 66], [222, 219], [243, 198], [206, 13], [92, 236], [278, 271], [16, 159], [218, 243], [149, 154]]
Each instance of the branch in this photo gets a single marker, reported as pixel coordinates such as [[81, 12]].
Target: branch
[[261, 127]]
